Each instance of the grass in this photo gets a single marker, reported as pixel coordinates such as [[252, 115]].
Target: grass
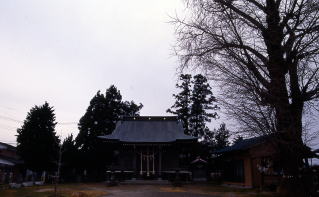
[[100, 190], [218, 191], [71, 190]]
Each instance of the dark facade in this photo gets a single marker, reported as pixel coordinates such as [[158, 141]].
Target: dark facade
[[9, 164], [250, 163], [151, 147]]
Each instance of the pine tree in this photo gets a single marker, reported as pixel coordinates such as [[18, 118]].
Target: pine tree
[[221, 137], [130, 108], [208, 137], [181, 107], [37, 140], [93, 123], [238, 139], [101, 116], [70, 158], [202, 106], [100, 119]]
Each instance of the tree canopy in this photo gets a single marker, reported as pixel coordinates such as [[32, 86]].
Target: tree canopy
[[69, 158], [37, 140], [183, 101], [101, 116], [202, 106], [264, 53], [100, 119], [222, 135], [194, 105]]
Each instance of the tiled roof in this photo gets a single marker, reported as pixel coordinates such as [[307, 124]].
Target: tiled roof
[[148, 129], [7, 146], [6, 162], [244, 144]]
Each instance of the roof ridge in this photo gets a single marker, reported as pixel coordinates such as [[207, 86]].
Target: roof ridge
[[150, 118]]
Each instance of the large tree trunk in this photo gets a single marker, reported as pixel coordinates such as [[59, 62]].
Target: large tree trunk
[[288, 107], [291, 150], [289, 128]]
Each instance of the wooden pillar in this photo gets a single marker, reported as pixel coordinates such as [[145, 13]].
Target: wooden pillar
[[147, 162], [153, 158], [159, 161], [141, 171], [134, 160]]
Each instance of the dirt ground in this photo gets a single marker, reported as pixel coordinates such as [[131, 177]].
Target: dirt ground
[[101, 190]]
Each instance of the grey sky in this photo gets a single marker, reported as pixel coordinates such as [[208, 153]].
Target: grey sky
[[63, 52]]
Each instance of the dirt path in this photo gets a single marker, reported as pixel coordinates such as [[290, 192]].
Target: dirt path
[[150, 191], [191, 190]]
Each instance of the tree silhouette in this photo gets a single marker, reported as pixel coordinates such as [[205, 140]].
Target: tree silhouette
[[100, 119], [37, 142], [194, 105], [265, 56], [222, 135], [181, 107], [202, 106], [70, 159]]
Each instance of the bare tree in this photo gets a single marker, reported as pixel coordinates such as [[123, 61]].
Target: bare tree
[[265, 54]]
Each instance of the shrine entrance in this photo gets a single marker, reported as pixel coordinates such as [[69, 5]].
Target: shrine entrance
[[148, 162]]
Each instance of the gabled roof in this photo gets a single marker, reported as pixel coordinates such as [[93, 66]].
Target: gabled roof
[[148, 129], [5, 146], [6, 162], [251, 142], [244, 144]]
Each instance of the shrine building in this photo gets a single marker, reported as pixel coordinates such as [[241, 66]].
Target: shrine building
[[151, 147]]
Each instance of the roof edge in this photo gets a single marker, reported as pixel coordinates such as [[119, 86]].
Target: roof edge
[[150, 118]]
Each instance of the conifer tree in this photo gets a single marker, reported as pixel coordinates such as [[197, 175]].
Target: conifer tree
[[181, 107], [238, 139], [130, 108], [208, 137], [202, 106], [93, 123], [100, 119], [101, 116], [37, 140], [222, 135], [70, 158]]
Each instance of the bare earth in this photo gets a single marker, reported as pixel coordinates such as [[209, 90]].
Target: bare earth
[[101, 190], [184, 191], [151, 191]]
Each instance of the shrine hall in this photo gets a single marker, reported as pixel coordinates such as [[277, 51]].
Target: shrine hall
[[151, 146]]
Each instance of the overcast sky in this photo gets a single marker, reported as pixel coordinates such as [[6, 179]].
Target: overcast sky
[[63, 52]]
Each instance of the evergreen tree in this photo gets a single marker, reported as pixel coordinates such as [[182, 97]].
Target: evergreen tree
[[101, 116], [208, 138], [130, 108], [238, 139], [181, 107], [202, 106], [222, 135], [69, 151], [37, 140], [70, 158], [100, 119], [93, 123], [112, 110]]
